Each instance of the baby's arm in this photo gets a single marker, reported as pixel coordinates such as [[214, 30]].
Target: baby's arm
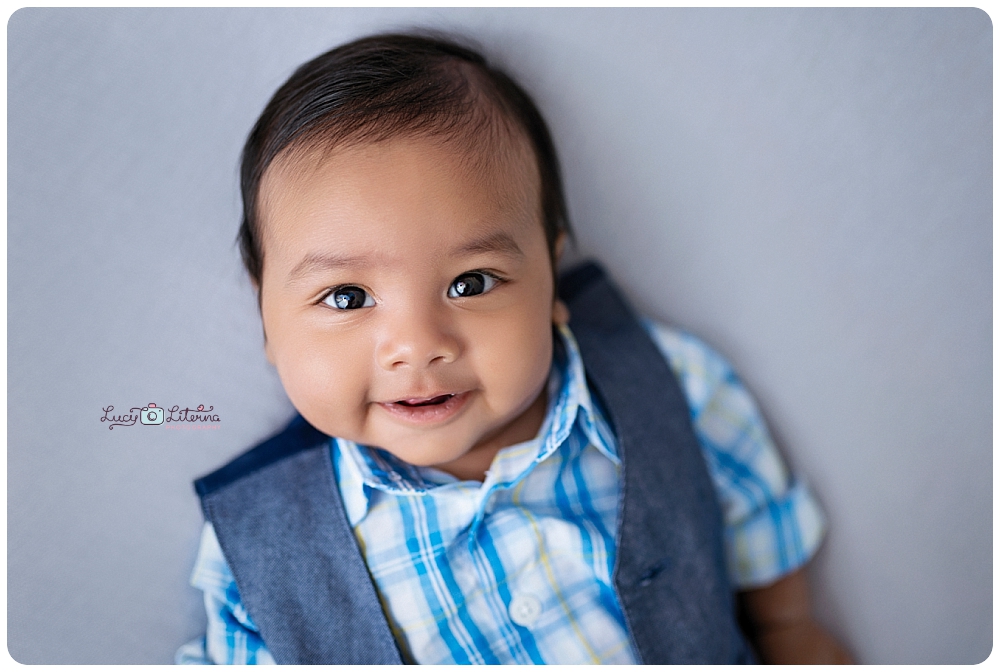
[[782, 626], [773, 524]]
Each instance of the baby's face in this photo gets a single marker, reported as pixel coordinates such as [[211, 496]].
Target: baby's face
[[407, 299]]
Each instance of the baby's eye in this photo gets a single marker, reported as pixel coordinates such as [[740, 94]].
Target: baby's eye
[[471, 284], [349, 298]]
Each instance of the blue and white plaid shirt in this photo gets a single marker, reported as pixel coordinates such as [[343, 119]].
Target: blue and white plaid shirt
[[518, 569]]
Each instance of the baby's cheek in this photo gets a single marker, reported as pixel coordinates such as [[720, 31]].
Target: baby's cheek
[[326, 387], [518, 359]]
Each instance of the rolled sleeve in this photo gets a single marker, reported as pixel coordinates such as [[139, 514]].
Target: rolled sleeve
[[777, 539], [773, 524]]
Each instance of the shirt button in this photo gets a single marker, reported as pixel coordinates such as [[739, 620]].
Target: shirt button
[[525, 609]]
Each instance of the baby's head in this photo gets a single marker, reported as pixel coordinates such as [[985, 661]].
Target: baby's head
[[403, 213]]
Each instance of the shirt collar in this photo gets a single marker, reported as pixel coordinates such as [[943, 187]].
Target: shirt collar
[[361, 468]]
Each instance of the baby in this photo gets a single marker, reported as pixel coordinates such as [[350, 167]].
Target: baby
[[493, 464]]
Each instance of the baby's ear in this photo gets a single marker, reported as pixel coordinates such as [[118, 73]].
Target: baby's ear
[[263, 330], [560, 313], [560, 246]]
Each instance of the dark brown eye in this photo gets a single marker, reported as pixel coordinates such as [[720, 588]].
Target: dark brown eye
[[349, 298], [471, 284]]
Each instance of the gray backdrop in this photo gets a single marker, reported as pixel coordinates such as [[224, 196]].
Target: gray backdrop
[[808, 190]]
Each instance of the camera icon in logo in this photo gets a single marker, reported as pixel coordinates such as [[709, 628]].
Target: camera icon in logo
[[151, 415]]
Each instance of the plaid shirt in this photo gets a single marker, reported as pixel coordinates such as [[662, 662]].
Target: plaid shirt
[[518, 569]]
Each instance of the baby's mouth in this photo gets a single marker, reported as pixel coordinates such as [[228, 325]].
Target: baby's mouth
[[433, 401], [427, 411]]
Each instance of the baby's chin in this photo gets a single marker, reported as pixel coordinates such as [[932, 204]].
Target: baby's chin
[[434, 454], [421, 448], [456, 455]]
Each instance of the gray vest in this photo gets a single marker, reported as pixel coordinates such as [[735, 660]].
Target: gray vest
[[280, 521]]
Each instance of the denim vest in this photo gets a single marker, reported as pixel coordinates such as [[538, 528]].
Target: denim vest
[[277, 513]]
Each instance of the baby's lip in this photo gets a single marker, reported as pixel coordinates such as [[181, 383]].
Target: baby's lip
[[422, 398], [426, 409], [425, 401]]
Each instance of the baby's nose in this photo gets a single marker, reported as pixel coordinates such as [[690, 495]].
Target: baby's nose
[[423, 340]]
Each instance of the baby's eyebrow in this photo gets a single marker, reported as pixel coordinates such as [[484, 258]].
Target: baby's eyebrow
[[313, 263], [499, 241]]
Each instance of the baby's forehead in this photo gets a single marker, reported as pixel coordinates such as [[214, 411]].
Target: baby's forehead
[[501, 165], [436, 182]]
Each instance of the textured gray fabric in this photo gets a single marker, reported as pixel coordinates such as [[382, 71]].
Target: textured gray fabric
[[305, 584], [297, 564]]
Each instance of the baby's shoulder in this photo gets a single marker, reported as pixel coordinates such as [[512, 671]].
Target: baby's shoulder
[[297, 436], [698, 366]]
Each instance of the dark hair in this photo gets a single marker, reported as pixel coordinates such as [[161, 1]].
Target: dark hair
[[388, 85]]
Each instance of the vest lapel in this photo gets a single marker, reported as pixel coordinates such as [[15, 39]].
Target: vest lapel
[[670, 570]]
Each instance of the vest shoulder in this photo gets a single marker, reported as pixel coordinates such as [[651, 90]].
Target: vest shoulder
[[593, 300], [298, 436], [575, 279]]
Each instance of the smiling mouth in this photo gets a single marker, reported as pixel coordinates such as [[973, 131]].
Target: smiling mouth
[[426, 410], [433, 401]]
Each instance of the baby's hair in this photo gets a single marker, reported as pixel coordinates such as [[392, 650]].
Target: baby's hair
[[387, 86]]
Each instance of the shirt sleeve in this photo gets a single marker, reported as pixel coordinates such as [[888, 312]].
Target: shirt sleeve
[[773, 524], [231, 637]]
